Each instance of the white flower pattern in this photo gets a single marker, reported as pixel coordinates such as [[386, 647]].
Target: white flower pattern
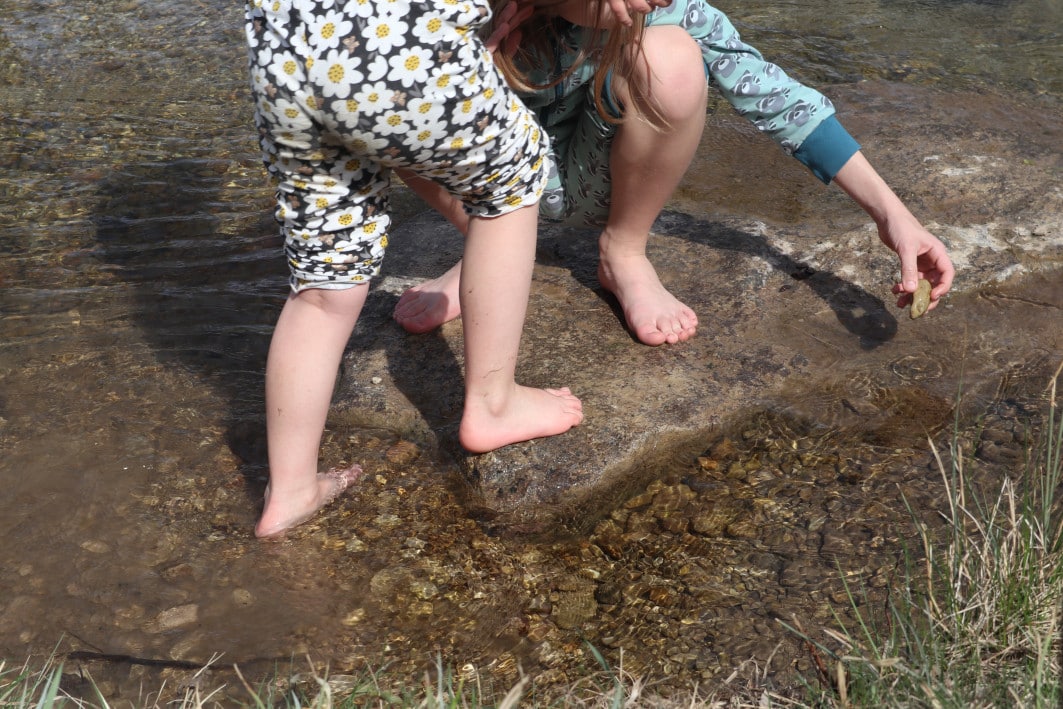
[[411, 65], [329, 29], [386, 34], [347, 89], [337, 73]]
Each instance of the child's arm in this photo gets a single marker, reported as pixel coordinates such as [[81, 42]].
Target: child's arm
[[921, 253]]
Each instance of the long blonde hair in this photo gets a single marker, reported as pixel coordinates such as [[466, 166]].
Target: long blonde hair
[[617, 56]]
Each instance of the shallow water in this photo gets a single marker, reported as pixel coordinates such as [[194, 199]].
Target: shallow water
[[141, 278]]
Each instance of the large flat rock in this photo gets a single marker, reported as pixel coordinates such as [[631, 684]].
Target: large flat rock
[[792, 290]]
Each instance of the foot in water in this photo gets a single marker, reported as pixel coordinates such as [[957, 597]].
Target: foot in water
[[527, 413], [279, 516], [425, 307]]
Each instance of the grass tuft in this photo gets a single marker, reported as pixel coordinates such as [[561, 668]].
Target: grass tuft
[[975, 621]]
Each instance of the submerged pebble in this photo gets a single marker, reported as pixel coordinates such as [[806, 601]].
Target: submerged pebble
[[173, 618], [95, 546]]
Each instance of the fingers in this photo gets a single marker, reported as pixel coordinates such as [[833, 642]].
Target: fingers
[[623, 9], [505, 33], [521, 15], [513, 14], [945, 272], [933, 265], [909, 258], [922, 257], [620, 10], [524, 12]]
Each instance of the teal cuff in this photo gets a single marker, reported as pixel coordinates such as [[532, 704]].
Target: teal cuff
[[827, 149]]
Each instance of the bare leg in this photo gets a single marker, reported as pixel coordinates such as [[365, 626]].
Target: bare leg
[[304, 356], [646, 166], [495, 283], [428, 305]]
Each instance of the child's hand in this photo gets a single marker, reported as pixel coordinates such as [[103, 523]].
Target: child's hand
[[922, 255], [622, 9], [505, 31]]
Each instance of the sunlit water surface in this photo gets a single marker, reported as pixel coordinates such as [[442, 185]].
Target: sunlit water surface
[[140, 279]]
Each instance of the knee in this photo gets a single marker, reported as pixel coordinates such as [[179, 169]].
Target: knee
[[674, 71], [334, 302]]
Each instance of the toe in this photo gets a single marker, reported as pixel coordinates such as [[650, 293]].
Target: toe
[[339, 480], [652, 336]]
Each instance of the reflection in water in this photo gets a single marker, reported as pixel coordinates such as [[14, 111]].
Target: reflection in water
[[141, 276], [1013, 44]]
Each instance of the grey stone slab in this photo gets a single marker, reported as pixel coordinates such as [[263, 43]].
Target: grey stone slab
[[792, 292]]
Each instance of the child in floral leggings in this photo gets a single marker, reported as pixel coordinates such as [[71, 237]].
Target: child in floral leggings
[[346, 92], [620, 176]]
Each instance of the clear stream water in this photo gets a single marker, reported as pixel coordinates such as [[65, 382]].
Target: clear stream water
[[140, 279]]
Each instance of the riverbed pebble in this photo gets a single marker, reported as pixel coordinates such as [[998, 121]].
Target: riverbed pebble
[[173, 618], [95, 546], [243, 597]]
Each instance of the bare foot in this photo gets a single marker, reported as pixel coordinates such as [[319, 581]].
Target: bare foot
[[427, 306], [653, 314], [528, 413], [280, 515]]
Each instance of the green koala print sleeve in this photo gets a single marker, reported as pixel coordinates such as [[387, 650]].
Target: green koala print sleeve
[[778, 105]]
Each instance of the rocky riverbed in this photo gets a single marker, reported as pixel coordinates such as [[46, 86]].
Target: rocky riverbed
[[773, 521]]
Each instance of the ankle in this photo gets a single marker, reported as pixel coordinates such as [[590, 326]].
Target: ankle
[[293, 493], [488, 404], [614, 245]]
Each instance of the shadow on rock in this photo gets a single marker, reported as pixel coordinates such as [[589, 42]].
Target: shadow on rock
[[425, 370], [861, 313]]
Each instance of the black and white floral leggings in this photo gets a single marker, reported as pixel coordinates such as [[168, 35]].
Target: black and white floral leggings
[[346, 90]]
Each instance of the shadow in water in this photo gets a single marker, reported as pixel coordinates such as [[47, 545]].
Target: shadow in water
[[205, 300], [206, 294], [861, 313]]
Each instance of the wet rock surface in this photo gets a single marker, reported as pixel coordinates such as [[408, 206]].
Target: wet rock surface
[[779, 301], [718, 490]]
